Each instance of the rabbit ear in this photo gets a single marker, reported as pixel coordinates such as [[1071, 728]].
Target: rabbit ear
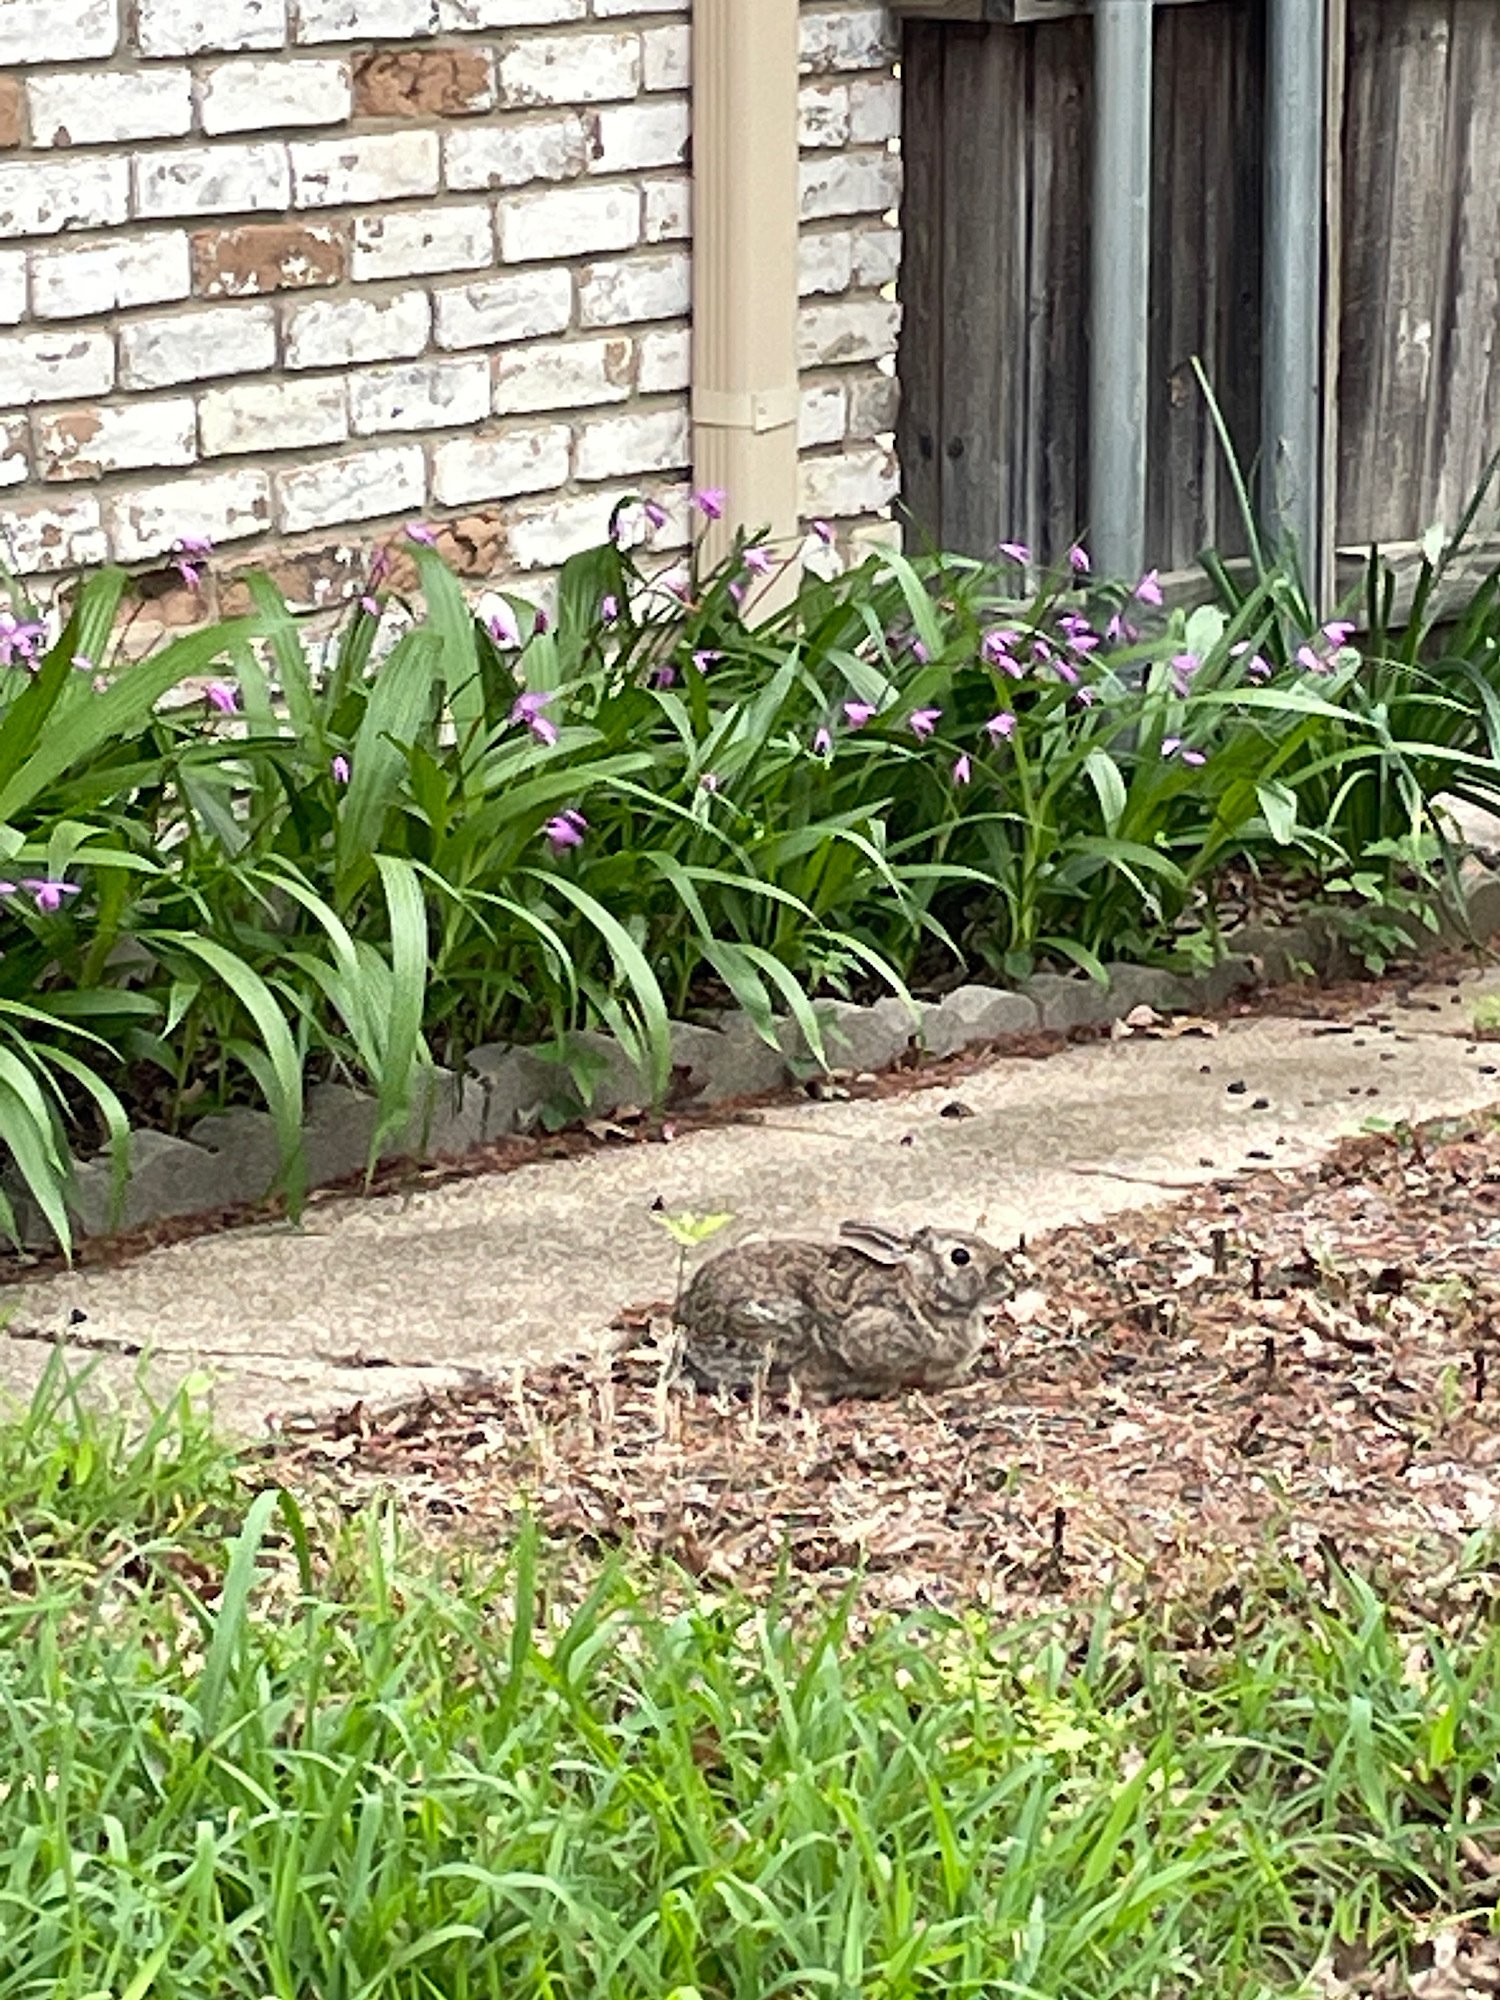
[[871, 1239]]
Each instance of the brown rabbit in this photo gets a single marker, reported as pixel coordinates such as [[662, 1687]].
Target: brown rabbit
[[874, 1313]]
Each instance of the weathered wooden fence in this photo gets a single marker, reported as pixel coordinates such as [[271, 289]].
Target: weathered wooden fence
[[994, 363]]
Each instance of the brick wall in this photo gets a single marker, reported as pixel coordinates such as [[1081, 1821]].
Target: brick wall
[[285, 272]]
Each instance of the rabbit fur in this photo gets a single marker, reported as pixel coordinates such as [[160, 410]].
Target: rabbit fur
[[872, 1314]]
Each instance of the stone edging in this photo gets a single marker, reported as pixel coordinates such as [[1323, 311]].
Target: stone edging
[[230, 1158]]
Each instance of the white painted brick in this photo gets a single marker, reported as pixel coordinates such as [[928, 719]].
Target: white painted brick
[[851, 482], [637, 441], [271, 416], [543, 533], [12, 286], [358, 486], [517, 306], [41, 197], [461, 16], [222, 506], [194, 346], [667, 58], [874, 403], [569, 69], [365, 20], [669, 210], [15, 459], [79, 109], [56, 533], [103, 277], [568, 222], [874, 110], [850, 184], [822, 415], [606, 10], [39, 31], [850, 330], [877, 257], [116, 437], [188, 27], [509, 152], [212, 180], [666, 362], [563, 375], [372, 167], [413, 243], [499, 464], [635, 288], [628, 137], [823, 114], [420, 396], [825, 260], [256, 96], [330, 333], [861, 38], [53, 366]]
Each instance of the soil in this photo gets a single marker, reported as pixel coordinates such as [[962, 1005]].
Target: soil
[[1304, 1364]]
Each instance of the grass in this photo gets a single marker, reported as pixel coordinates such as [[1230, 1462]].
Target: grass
[[256, 1752]]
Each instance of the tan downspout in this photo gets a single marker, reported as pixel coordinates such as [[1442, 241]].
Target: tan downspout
[[745, 210]]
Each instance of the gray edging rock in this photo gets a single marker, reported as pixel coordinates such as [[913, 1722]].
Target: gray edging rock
[[230, 1158]]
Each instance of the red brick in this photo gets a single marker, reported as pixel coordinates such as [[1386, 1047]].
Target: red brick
[[268, 257]]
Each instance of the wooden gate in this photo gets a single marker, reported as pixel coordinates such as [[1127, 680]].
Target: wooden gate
[[994, 362]]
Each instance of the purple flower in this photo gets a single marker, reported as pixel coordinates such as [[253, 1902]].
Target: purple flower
[[1148, 590], [1338, 632], [83, 663], [663, 677], [1065, 670], [1312, 660], [1184, 666], [222, 697], [418, 531], [10, 888], [380, 567], [503, 627], [370, 605], [1017, 551], [1000, 726], [1172, 746], [759, 561], [188, 553], [706, 657], [1086, 697], [1078, 560], [709, 782], [963, 770], [527, 708], [859, 713], [49, 894], [1257, 668], [541, 623], [340, 769], [710, 502], [1074, 624], [609, 609], [565, 830], [922, 721], [1120, 632], [824, 532], [737, 591], [18, 639], [995, 651], [656, 514], [823, 742]]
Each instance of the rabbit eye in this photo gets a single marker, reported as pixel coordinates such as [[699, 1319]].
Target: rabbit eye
[[961, 1256]]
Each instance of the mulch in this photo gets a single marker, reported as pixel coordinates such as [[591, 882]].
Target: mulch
[[1304, 1364]]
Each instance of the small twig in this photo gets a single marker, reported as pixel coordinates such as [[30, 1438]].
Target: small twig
[[1247, 1432], [1257, 1276], [95, 1343], [1219, 1238], [1481, 1373]]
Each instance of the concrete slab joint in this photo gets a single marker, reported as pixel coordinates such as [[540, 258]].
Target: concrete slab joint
[[230, 1158]]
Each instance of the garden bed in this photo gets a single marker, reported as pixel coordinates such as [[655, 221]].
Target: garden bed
[[1306, 1363]]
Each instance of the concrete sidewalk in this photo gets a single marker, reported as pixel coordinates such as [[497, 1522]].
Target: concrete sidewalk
[[376, 1298]]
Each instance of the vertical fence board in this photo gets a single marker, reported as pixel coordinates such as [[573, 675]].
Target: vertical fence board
[[923, 282]]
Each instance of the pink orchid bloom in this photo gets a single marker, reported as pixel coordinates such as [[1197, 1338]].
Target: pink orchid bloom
[[963, 770], [340, 770], [565, 830], [859, 713], [1017, 552], [222, 697], [710, 502], [1148, 590], [759, 561], [1078, 560], [503, 626], [527, 708], [1000, 726], [922, 721], [48, 894], [656, 514], [823, 742], [824, 532], [418, 531]]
